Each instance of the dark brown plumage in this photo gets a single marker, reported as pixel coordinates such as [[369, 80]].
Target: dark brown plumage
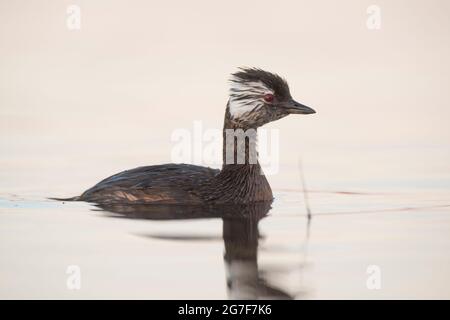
[[256, 98]]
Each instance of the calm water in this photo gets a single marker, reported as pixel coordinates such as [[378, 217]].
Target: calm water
[[258, 252]]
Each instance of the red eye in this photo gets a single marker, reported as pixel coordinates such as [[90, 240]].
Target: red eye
[[268, 97]]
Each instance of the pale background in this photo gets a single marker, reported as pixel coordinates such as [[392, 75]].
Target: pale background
[[109, 95], [77, 106]]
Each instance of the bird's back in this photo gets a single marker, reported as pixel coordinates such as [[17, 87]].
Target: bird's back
[[163, 184]]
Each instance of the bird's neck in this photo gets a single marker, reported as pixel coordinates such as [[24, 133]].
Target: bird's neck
[[241, 178], [239, 144]]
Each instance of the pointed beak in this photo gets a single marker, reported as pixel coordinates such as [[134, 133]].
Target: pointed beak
[[294, 107]]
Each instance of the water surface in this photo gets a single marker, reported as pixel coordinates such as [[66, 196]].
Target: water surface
[[261, 252]]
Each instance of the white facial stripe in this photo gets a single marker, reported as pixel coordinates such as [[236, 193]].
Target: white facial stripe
[[242, 98]]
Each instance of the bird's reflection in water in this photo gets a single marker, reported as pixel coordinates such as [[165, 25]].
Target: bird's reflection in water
[[244, 277]]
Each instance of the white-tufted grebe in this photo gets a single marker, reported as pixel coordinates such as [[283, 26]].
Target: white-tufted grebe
[[256, 97]]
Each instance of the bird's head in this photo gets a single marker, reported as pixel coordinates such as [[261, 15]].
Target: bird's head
[[258, 97]]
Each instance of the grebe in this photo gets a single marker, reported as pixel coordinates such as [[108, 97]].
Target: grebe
[[256, 97]]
